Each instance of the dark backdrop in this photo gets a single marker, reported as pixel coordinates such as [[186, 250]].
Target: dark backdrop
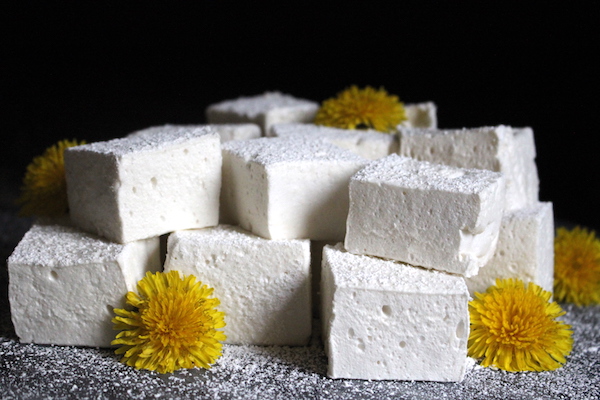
[[99, 70]]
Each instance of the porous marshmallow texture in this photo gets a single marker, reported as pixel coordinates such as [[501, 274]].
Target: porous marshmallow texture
[[146, 185], [525, 250], [64, 284], [227, 132], [369, 144], [282, 188], [387, 320], [263, 285], [425, 214], [265, 110], [500, 148], [421, 115], [525, 173]]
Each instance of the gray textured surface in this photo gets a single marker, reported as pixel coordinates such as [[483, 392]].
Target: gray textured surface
[[29, 371]]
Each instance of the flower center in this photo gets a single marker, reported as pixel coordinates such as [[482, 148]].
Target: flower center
[[174, 319]]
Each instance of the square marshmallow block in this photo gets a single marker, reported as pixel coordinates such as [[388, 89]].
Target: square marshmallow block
[[424, 214], [524, 172], [369, 144], [64, 284], [500, 148], [263, 285], [226, 132], [147, 185], [387, 320], [525, 250], [420, 115], [265, 110], [287, 188]]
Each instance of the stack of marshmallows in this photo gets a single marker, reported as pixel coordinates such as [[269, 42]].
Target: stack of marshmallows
[[380, 238]]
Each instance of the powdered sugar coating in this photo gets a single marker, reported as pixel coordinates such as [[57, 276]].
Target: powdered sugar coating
[[151, 139], [253, 106], [413, 174], [51, 245], [269, 151], [369, 144], [377, 274]]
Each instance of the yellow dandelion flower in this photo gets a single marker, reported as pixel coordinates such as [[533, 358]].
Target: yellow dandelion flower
[[44, 189], [577, 266], [513, 328], [175, 324], [367, 108]]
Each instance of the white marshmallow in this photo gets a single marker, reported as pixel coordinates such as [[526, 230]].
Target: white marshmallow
[[143, 186], [263, 285], [265, 110], [501, 149], [369, 144], [525, 250], [387, 320], [425, 214], [64, 284], [525, 173], [287, 188], [316, 258], [420, 115], [227, 132]]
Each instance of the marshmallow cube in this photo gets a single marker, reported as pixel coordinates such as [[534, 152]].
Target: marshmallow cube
[[143, 186], [424, 214], [264, 286], [525, 177], [64, 284], [420, 115], [500, 148], [387, 320], [287, 188], [227, 132], [525, 250], [369, 144], [265, 110]]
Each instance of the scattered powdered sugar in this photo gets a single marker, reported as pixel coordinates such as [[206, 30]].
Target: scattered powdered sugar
[[255, 372], [30, 371]]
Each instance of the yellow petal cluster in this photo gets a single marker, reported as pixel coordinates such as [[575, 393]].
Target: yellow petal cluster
[[174, 324], [367, 108], [514, 328], [577, 266], [44, 189]]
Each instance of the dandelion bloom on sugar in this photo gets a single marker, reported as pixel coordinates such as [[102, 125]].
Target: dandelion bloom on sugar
[[174, 325], [577, 266], [514, 328], [44, 189], [366, 108]]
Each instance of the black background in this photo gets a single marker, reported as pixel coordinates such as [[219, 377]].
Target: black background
[[99, 70]]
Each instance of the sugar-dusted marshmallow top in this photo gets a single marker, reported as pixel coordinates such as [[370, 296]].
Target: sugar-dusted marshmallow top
[[227, 132], [151, 139], [253, 106], [233, 236], [269, 151], [409, 173], [369, 144], [50, 245], [361, 271]]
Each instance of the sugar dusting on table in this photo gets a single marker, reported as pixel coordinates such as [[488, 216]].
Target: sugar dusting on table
[[255, 372], [30, 371]]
